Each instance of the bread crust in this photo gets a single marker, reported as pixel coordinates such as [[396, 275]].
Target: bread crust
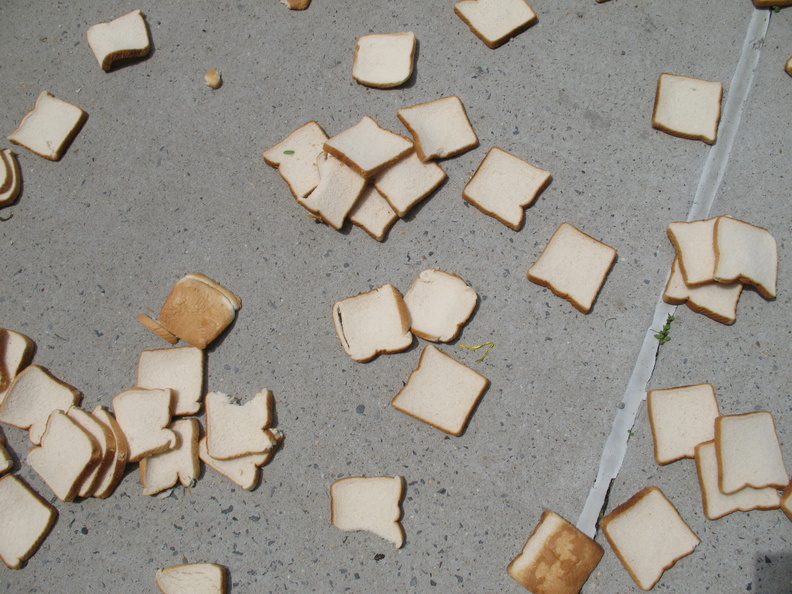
[[12, 178]]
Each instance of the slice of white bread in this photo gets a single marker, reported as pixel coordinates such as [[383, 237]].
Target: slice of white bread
[[716, 504], [408, 181], [694, 242], [441, 392], [16, 353], [504, 186], [786, 501], [125, 37], [234, 430], [373, 214], [295, 157], [439, 304], [339, 189], [749, 454], [117, 447], [384, 60], [687, 107], [745, 253], [66, 456], [440, 128], [367, 148], [103, 437], [372, 323], [681, 418], [192, 578], [717, 301], [10, 178], [496, 21], [197, 310], [32, 396], [573, 266], [181, 369], [369, 503], [144, 417], [648, 536], [49, 127], [557, 558], [6, 461], [244, 471], [181, 464], [26, 519]]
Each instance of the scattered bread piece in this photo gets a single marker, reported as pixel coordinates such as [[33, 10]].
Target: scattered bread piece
[[32, 396], [716, 504], [102, 437], [573, 266], [408, 181], [440, 128], [786, 501], [369, 503], [717, 301], [788, 66], [6, 461], [441, 392], [157, 329], [122, 38], [496, 21], [771, 3], [117, 448], [339, 189], [144, 417], [373, 214], [384, 60], [681, 418], [10, 178], [749, 454], [181, 369], [162, 471], [66, 456], [192, 578], [504, 185], [16, 353], [197, 310], [367, 148], [557, 558], [244, 471], [745, 253], [439, 304], [648, 535], [234, 430], [687, 107], [296, 158], [372, 323], [213, 78], [296, 4], [26, 519], [694, 243], [49, 127]]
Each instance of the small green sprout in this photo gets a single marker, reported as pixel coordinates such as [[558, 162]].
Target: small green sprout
[[663, 335], [488, 344], [777, 8], [289, 152]]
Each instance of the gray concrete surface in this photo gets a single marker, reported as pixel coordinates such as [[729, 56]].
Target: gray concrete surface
[[167, 178]]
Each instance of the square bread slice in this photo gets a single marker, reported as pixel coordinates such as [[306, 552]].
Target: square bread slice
[[49, 127], [16, 353], [716, 504], [746, 253], [145, 416], [26, 519], [339, 189], [717, 301], [10, 178], [369, 503], [573, 266], [234, 430], [681, 418], [125, 37], [181, 464], [244, 471], [648, 536], [687, 107], [192, 578], [119, 449], [440, 128], [504, 185], [295, 158], [408, 181], [557, 558], [749, 454], [373, 213], [367, 148], [384, 60], [694, 243], [372, 323], [441, 392], [496, 21], [439, 304], [181, 369]]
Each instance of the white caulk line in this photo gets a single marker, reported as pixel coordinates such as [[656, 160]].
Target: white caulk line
[[711, 176]]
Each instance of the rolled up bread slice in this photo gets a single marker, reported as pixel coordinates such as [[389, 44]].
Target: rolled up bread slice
[[192, 578], [369, 503], [144, 417], [10, 178], [26, 519]]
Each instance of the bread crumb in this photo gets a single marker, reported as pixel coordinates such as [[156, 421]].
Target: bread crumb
[[213, 78]]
